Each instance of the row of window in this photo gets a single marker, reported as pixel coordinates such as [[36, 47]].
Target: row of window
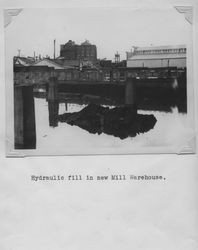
[[87, 53], [162, 51]]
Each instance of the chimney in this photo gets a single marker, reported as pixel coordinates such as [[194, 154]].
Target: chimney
[[19, 53], [54, 48]]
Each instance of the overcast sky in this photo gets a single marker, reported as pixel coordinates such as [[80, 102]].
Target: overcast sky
[[111, 29]]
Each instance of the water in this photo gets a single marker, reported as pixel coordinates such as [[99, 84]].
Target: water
[[171, 130]]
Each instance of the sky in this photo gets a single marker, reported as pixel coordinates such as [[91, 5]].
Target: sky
[[110, 29]]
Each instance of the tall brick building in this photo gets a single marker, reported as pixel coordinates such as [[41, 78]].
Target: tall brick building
[[69, 50], [83, 52]]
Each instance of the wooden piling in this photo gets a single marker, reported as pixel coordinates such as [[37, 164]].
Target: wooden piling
[[18, 118], [66, 106], [47, 90], [53, 108], [130, 93], [24, 118], [53, 103], [29, 118], [52, 94]]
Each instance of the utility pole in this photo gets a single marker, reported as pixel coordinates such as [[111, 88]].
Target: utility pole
[[54, 48], [19, 52]]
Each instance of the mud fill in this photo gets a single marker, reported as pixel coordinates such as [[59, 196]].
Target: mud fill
[[121, 122]]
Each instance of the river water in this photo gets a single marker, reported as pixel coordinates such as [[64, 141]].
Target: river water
[[169, 134]]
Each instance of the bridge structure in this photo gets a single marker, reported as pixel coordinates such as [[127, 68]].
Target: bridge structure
[[84, 87], [26, 78]]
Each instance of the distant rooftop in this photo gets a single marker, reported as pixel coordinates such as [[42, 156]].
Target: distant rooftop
[[70, 42], [23, 60], [154, 52], [160, 47], [86, 42], [157, 56]]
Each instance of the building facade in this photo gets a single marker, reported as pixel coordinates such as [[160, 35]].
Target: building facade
[[157, 57], [83, 52], [69, 50]]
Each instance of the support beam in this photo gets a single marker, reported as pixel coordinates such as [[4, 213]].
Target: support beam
[[24, 118], [130, 92], [52, 94], [53, 108], [18, 118]]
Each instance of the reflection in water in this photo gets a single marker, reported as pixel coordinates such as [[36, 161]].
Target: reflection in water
[[121, 122], [161, 99], [53, 108], [153, 99], [169, 129], [158, 103]]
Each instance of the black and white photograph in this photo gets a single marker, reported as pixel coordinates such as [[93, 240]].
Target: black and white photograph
[[100, 80], [98, 132]]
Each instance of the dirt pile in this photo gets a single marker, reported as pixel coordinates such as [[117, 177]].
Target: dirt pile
[[121, 122]]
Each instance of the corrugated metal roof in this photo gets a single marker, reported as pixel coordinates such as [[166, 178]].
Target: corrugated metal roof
[[23, 61], [48, 62], [160, 47], [157, 56]]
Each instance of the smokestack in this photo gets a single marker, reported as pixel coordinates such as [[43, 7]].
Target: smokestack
[[19, 52], [54, 48]]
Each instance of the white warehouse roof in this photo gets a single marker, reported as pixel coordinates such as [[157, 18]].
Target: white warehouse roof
[[157, 56], [161, 47]]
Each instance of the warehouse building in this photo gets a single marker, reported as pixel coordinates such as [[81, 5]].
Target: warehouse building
[[157, 57], [73, 54]]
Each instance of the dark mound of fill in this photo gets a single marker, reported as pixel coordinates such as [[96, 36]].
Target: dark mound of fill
[[121, 122]]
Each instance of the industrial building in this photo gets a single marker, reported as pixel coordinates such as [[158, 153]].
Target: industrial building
[[157, 57], [73, 54]]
